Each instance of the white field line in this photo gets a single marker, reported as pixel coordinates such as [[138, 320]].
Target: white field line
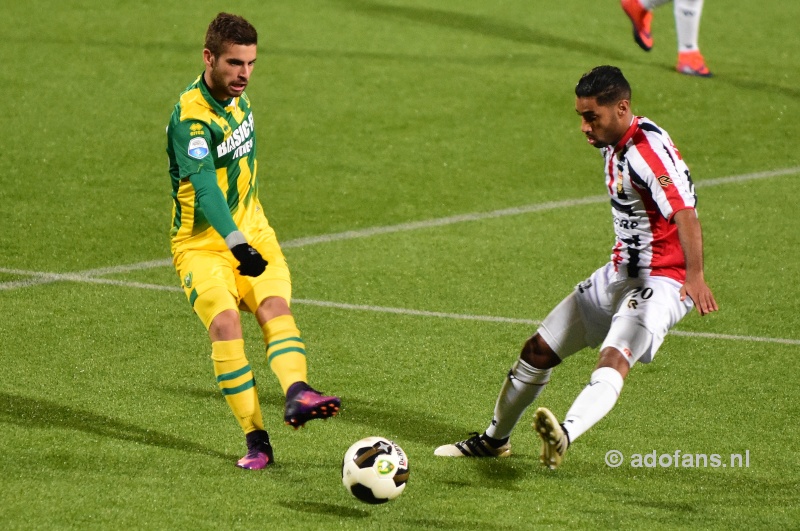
[[410, 312], [44, 278], [512, 320], [91, 275], [514, 211], [441, 222], [416, 313]]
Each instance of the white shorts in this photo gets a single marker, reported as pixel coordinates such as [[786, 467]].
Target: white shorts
[[632, 315]]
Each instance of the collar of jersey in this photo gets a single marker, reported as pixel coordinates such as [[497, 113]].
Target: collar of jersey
[[628, 134], [216, 105]]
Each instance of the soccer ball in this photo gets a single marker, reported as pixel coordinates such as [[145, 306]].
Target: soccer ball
[[375, 470]]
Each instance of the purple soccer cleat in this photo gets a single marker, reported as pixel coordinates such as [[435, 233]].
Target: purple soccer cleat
[[259, 451], [303, 403]]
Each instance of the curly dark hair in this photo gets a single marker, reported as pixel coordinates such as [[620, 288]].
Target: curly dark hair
[[229, 29]]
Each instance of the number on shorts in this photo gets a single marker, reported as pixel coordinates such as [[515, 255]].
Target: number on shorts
[[646, 293]]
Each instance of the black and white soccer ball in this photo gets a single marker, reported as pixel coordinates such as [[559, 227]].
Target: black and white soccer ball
[[375, 470]]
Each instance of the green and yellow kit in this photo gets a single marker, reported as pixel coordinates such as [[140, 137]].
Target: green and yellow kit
[[212, 163]]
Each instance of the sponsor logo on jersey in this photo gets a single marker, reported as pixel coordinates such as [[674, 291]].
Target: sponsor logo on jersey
[[196, 129], [239, 142], [664, 181], [198, 148]]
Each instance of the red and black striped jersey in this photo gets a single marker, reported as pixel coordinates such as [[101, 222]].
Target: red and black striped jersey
[[648, 182]]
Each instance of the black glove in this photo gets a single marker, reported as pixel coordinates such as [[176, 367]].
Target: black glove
[[251, 263]]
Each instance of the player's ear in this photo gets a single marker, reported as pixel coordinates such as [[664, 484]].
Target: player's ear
[[208, 57], [623, 106]]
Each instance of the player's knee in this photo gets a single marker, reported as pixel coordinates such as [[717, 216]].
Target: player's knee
[[274, 304], [538, 353], [216, 307], [225, 326], [272, 307], [615, 359]]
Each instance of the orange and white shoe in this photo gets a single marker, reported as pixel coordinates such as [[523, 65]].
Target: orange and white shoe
[[692, 64], [640, 18]]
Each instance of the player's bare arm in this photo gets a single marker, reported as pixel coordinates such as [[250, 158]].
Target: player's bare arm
[[691, 238]]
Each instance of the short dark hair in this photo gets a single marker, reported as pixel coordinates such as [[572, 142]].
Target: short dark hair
[[605, 83], [229, 29]]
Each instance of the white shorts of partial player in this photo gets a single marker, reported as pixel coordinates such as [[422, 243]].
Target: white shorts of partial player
[[630, 314]]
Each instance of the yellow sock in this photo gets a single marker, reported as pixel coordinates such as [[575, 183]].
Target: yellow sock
[[286, 352], [236, 381]]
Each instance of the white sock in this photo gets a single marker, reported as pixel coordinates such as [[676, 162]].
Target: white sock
[[594, 402], [522, 386], [652, 4], [687, 23]]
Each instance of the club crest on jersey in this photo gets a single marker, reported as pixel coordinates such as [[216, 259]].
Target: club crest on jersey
[[664, 181], [187, 280], [198, 148]]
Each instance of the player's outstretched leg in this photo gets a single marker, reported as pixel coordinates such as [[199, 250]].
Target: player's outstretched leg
[[554, 440], [641, 19], [303, 403], [479, 445], [259, 451], [687, 27]]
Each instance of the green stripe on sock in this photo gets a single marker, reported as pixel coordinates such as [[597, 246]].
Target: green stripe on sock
[[285, 351], [239, 388], [279, 341], [234, 374]]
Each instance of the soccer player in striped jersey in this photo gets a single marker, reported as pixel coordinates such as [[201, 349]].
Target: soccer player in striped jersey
[[224, 250], [654, 277]]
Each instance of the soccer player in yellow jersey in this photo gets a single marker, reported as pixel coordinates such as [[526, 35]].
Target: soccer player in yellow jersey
[[224, 250]]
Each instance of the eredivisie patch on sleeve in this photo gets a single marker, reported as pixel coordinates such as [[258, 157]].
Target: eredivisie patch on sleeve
[[198, 148]]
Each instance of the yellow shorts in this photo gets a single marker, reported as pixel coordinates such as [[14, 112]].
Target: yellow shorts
[[213, 284]]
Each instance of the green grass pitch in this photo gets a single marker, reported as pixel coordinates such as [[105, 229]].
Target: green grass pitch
[[381, 117]]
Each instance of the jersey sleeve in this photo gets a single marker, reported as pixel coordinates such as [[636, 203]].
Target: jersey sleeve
[[662, 171], [212, 202], [190, 144]]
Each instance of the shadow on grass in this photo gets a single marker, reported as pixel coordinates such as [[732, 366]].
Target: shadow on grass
[[484, 26], [402, 424], [326, 509], [493, 474], [393, 421], [428, 523], [268, 395], [523, 34], [44, 414], [196, 392]]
